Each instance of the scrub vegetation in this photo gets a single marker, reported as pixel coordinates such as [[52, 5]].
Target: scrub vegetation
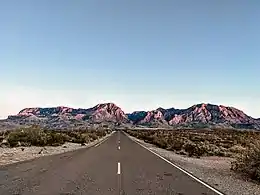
[[243, 146], [36, 136]]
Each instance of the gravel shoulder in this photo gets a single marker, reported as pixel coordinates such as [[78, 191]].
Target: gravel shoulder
[[213, 170], [18, 154]]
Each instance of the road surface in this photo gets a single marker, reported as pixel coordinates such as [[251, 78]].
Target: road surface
[[116, 166]]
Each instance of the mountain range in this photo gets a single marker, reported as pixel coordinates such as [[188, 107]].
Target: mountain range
[[110, 115]]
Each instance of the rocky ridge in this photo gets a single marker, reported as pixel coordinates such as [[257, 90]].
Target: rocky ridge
[[107, 114]]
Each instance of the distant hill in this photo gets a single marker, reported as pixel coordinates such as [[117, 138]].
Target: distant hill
[[110, 115]]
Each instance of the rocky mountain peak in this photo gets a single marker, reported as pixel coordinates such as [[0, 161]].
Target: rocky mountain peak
[[29, 112], [209, 113], [108, 111]]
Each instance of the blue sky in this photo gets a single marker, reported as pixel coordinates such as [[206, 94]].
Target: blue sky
[[138, 54]]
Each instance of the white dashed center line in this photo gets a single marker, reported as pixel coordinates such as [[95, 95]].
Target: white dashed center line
[[118, 168]]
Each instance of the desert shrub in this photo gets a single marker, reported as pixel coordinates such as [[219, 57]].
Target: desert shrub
[[27, 136], [74, 135], [100, 133], [86, 138], [177, 144], [160, 142], [35, 136], [203, 142], [93, 136], [86, 135], [79, 140], [194, 149], [197, 138], [82, 138], [237, 149], [56, 138], [248, 163], [149, 139]]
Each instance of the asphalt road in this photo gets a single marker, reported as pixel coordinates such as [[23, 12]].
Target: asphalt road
[[116, 166]]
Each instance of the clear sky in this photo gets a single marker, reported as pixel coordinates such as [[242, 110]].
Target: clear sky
[[139, 54]]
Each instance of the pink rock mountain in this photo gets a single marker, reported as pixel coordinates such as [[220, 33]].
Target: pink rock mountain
[[206, 113], [197, 114], [109, 112], [101, 112]]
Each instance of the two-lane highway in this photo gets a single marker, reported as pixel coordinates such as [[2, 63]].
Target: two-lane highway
[[116, 166]]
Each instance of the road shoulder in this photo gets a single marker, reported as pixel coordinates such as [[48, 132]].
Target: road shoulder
[[213, 170]]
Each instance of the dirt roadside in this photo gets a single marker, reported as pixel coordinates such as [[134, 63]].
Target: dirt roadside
[[18, 154], [213, 170]]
